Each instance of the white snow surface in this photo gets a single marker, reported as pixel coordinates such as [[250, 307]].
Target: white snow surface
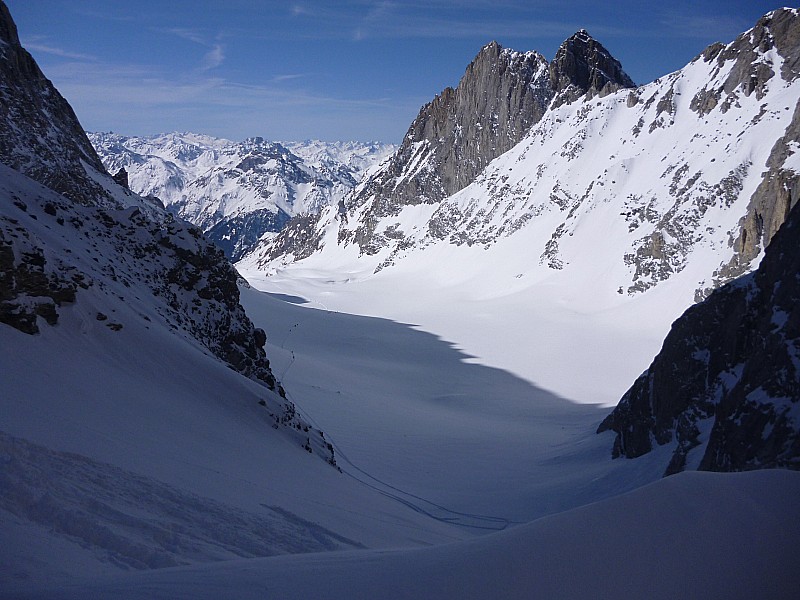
[[205, 179], [136, 454], [459, 386]]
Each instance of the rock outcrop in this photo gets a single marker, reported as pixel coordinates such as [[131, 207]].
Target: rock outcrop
[[502, 94], [583, 67], [725, 388], [40, 135], [66, 240]]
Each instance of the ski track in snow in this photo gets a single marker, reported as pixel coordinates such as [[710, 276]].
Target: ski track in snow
[[413, 501], [462, 443]]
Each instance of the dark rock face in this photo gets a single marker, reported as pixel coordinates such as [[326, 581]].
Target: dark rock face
[[501, 95], [237, 235], [121, 177], [40, 135], [725, 387], [582, 66], [30, 287], [299, 239]]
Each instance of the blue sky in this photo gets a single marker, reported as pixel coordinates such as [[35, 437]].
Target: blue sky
[[350, 69]]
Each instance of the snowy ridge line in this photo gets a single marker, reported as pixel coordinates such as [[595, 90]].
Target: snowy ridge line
[[236, 192]]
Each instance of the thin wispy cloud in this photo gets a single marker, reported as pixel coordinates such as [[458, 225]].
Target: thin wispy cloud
[[301, 10], [191, 35], [288, 77], [213, 58], [55, 51]]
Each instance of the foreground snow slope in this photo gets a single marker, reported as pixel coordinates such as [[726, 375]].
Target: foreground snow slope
[[125, 443], [692, 536]]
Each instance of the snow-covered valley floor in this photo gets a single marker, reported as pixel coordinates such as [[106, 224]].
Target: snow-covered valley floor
[[459, 480], [413, 416]]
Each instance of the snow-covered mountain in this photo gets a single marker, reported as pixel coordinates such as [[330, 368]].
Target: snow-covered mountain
[[236, 192], [612, 215], [500, 97], [642, 184], [138, 429]]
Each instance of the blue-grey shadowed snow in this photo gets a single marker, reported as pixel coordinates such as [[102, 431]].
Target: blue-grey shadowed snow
[[137, 522], [288, 298], [693, 535], [416, 418]]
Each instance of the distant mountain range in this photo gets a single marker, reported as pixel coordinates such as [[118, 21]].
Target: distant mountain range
[[237, 192]]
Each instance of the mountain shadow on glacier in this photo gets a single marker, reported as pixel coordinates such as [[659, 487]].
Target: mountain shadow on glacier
[[410, 412]]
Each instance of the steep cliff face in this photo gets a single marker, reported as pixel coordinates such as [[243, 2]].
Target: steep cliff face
[[501, 96], [725, 388], [39, 132], [456, 135], [73, 241]]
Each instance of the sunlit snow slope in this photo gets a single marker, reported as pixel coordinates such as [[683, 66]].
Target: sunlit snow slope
[[567, 259]]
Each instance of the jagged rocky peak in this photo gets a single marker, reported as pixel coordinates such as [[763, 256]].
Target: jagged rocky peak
[[583, 66], [501, 95], [751, 70], [725, 388], [778, 30], [39, 132]]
